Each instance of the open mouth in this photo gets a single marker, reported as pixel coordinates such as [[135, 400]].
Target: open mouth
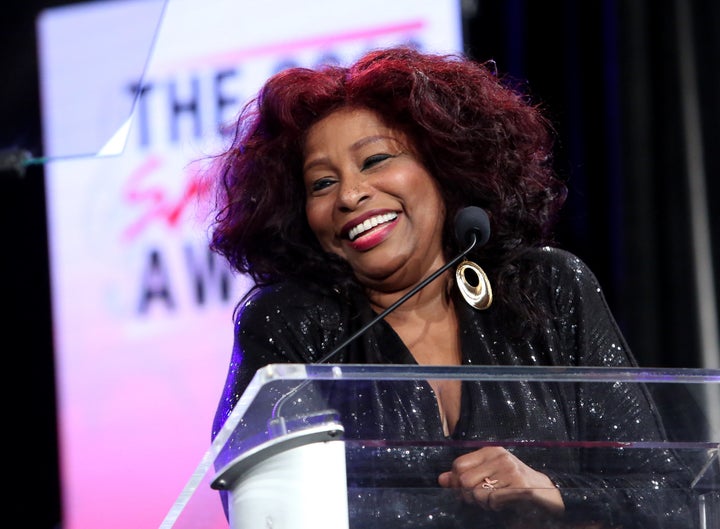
[[370, 223]]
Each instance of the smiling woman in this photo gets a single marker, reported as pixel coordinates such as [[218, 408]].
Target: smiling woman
[[372, 202], [338, 197]]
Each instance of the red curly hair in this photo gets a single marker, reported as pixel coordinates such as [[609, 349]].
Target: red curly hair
[[481, 138]]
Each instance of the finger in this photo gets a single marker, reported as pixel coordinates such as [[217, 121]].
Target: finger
[[482, 494], [481, 477], [445, 479], [496, 496]]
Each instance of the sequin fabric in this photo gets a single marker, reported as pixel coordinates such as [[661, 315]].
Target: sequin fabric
[[396, 486]]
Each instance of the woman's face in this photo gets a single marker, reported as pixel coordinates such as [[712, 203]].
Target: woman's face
[[371, 201]]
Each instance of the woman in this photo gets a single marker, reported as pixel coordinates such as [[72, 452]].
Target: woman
[[339, 195]]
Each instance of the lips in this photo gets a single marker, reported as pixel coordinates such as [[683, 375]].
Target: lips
[[370, 223]]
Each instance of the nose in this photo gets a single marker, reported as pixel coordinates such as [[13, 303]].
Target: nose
[[354, 189]]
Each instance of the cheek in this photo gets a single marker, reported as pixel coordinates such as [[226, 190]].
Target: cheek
[[320, 221]]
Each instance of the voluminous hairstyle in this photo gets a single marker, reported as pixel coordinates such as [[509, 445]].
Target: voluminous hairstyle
[[481, 138]]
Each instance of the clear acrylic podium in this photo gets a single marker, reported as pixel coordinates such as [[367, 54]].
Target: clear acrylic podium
[[288, 459]]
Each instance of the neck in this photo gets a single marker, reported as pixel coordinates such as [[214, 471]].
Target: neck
[[432, 297]]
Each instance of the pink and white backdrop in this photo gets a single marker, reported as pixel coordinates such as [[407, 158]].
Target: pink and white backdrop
[[141, 309]]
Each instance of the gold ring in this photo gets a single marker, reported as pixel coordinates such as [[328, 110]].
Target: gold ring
[[489, 483]]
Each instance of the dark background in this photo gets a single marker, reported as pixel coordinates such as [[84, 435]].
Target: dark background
[[608, 73]]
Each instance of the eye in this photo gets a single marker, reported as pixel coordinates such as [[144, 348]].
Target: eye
[[375, 159], [320, 184]]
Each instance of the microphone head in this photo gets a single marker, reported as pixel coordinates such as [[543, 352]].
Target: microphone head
[[472, 220]]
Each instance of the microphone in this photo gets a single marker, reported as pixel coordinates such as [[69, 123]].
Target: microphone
[[470, 221], [472, 227]]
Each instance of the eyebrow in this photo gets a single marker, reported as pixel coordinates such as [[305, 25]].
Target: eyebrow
[[362, 142]]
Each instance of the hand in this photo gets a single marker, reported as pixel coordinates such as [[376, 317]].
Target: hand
[[496, 480]]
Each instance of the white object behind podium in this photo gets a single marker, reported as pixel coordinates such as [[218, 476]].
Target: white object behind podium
[[297, 480]]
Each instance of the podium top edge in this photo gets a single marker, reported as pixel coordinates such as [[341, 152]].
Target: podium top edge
[[273, 372]]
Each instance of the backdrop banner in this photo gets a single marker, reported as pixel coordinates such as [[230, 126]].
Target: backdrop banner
[[136, 95]]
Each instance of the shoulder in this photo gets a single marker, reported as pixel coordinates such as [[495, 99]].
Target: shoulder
[[290, 292], [289, 304], [563, 279], [559, 265], [554, 256]]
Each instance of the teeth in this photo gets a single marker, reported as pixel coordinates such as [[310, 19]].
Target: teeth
[[370, 224]]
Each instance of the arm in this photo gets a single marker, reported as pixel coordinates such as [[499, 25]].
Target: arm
[[611, 486], [636, 487]]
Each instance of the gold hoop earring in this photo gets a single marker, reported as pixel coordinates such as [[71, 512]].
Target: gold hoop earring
[[477, 293]]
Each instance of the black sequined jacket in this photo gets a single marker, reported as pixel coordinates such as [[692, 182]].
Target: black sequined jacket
[[629, 488]]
